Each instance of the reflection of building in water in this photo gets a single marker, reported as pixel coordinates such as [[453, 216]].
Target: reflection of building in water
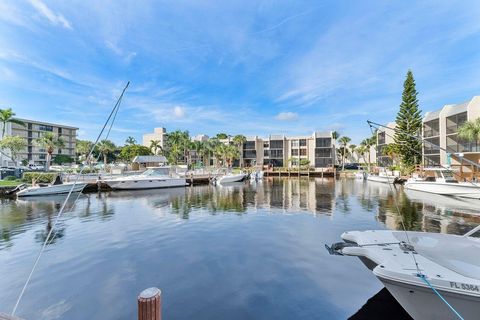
[[424, 214], [300, 194]]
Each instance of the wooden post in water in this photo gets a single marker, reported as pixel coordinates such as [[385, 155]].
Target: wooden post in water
[[150, 304]]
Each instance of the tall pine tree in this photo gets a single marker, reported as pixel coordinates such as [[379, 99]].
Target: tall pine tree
[[409, 123]]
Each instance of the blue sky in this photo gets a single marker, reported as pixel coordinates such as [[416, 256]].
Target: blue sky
[[251, 67]]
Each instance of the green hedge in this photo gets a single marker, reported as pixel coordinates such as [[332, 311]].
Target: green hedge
[[40, 177]]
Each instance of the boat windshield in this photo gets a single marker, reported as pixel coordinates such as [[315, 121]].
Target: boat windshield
[[448, 175], [157, 172]]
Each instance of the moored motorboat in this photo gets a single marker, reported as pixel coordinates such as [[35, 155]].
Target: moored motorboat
[[51, 189], [419, 267], [383, 177], [229, 178], [443, 182], [152, 178]]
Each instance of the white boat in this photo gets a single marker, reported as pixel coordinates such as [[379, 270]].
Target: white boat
[[152, 178], [444, 183], [450, 264], [383, 177], [229, 178], [51, 189]]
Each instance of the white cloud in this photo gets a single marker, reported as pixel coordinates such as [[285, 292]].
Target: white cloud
[[284, 116], [55, 19], [178, 112]]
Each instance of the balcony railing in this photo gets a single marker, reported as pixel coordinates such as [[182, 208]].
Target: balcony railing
[[463, 147], [452, 129]]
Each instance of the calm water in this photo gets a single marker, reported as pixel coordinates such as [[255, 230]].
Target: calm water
[[249, 251]]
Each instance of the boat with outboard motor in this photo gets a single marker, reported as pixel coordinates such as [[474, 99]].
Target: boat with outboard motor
[[231, 177], [420, 269], [443, 182], [56, 187], [152, 178], [384, 176]]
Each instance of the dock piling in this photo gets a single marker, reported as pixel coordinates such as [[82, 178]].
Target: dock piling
[[150, 304]]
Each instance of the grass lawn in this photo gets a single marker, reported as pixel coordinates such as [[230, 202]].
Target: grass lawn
[[5, 183]]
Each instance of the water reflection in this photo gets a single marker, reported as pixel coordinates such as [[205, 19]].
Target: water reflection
[[418, 211], [262, 237]]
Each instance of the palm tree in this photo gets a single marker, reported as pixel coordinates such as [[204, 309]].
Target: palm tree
[[344, 141], [6, 116], [178, 143], [470, 131], [231, 153], [131, 141], [239, 140], [392, 150], [361, 150], [50, 141], [212, 148], [105, 147], [155, 146], [83, 148], [352, 149]]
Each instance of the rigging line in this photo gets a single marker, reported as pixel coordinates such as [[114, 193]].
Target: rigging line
[[400, 214], [424, 278], [419, 273], [421, 155], [63, 207]]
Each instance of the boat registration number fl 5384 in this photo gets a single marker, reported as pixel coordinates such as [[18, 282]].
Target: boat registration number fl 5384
[[464, 286]]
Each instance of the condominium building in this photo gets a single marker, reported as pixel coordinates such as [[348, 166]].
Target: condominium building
[[385, 137], [442, 146], [34, 153], [316, 150], [159, 134]]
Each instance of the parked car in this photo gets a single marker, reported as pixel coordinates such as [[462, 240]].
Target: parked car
[[36, 167], [351, 166]]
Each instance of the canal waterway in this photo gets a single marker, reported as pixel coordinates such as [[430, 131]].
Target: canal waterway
[[244, 251]]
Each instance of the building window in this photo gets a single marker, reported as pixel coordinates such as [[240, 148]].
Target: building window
[[381, 138], [266, 145], [266, 153], [303, 142], [59, 151], [323, 153], [303, 152], [276, 153], [323, 142], [295, 144], [249, 145], [45, 128], [294, 152], [41, 157], [276, 144]]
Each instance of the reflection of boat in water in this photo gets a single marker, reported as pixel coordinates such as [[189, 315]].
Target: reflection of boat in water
[[444, 183], [147, 193], [381, 306], [153, 178], [447, 263], [444, 202], [53, 198]]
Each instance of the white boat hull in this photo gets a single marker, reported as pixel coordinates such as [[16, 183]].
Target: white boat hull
[[448, 263], [467, 190], [422, 303], [382, 179], [51, 190], [232, 178], [142, 184]]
